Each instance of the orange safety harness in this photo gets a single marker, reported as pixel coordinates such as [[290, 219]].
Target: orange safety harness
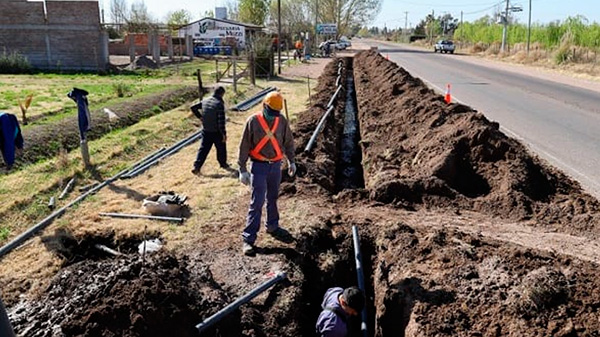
[[269, 136]]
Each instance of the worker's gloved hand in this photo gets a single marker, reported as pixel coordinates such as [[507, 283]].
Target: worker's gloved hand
[[292, 169], [245, 178]]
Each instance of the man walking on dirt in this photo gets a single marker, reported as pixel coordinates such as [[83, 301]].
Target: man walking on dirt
[[213, 120], [338, 305], [267, 137]]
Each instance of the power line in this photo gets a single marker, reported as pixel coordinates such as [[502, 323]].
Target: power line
[[485, 9], [442, 6]]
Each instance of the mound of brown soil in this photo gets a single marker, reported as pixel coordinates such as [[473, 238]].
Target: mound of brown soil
[[419, 151], [126, 297], [447, 283]]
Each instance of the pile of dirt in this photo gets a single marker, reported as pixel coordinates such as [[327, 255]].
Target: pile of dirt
[[45, 140], [160, 296], [418, 151], [319, 165], [447, 283]]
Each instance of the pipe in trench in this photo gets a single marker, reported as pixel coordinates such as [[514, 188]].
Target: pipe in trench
[[313, 138], [242, 300], [360, 276], [141, 216]]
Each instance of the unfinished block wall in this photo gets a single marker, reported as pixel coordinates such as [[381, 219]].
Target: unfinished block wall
[[67, 36]]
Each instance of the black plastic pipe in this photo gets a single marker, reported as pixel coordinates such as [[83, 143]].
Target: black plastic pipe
[[5, 327], [250, 102], [361, 278], [50, 218], [313, 138], [334, 97], [244, 299], [168, 152]]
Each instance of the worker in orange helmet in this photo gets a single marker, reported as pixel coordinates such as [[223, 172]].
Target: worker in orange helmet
[[266, 139]]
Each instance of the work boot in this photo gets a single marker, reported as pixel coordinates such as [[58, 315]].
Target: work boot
[[281, 235], [248, 249], [196, 172]]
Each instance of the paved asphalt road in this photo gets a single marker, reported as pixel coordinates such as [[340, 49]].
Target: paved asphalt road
[[560, 123]]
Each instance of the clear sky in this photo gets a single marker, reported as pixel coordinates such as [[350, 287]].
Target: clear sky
[[543, 11], [392, 13]]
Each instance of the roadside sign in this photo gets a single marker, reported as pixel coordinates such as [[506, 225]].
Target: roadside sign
[[327, 29]]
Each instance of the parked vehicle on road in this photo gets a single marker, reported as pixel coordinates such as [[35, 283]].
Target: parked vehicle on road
[[444, 46]]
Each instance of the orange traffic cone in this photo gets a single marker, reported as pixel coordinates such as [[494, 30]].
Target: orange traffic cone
[[447, 97]]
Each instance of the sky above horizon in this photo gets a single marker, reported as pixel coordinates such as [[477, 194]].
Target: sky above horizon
[[393, 14]]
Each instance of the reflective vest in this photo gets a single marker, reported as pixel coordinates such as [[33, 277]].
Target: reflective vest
[[269, 136]]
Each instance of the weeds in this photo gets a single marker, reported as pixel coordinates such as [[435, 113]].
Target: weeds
[[14, 63], [121, 89]]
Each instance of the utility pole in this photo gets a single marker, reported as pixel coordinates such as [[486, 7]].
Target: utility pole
[[461, 29], [431, 24], [505, 29], [529, 28], [405, 22], [316, 22], [279, 36]]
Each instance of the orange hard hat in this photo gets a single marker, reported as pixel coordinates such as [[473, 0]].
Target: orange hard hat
[[274, 100]]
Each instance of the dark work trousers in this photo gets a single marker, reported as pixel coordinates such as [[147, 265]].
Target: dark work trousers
[[265, 179], [208, 139]]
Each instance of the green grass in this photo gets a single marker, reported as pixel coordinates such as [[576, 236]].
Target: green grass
[[4, 233]]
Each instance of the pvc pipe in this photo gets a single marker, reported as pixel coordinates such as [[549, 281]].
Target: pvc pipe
[[333, 98], [107, 250], [313, 138], [5, 327], [360, 276], [52, 203], [88, 186], [50, 218], [141, 216], [247, 104], [67, 188], [148, 158], [242, 300], [169, 152], [337, 80], [158, 154]]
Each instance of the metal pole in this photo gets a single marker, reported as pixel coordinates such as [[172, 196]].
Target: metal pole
[[141, 216], [279, 37], [242, 300], [529, 28], [360, 276], [505, 29], [5, 327], [405, 23]]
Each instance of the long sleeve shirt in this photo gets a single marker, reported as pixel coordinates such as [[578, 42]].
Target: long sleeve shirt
[[254, 133], [332, 320], [213, 115], [10, 137]]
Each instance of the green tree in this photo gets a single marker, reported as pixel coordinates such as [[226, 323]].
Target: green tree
[[253, 11], [177, 19], [347, 13]]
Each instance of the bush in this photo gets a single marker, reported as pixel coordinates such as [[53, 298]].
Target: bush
[[121, 89], [13, 63]]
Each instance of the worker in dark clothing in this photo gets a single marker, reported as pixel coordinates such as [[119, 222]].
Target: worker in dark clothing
[[213, 120], [11, 139], [338, 305]]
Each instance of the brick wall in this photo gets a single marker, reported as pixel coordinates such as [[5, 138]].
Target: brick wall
[[70, 38]]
